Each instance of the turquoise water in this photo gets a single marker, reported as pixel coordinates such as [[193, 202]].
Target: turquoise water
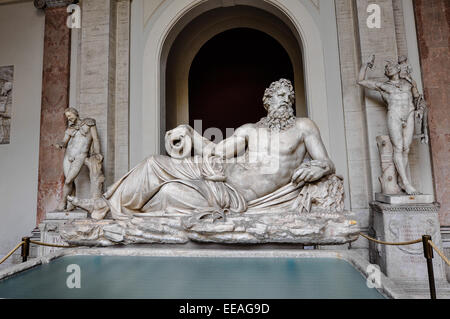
[[192, 278]]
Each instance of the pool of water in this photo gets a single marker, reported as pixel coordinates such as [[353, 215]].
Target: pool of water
[[191, 278]]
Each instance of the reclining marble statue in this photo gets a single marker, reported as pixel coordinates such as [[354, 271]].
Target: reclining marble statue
[[255, 187], [82, 147], [406, 116]]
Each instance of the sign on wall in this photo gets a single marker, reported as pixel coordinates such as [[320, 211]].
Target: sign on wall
[[6, 89]]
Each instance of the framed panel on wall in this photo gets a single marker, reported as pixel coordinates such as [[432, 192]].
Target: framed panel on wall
[[6, 89]]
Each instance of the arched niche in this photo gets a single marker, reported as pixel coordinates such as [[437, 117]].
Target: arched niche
[[173, 16], [206, 27]]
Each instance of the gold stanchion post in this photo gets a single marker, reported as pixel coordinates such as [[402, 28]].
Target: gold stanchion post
[[428, 253], [25, 248]]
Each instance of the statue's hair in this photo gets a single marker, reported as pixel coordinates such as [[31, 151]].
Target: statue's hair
[[274, 87], [71, 110], [392, 65]]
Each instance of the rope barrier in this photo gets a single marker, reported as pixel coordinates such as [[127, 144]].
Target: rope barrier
[[22, 243], [11, 252], [440, 253], [50, 245], [412, 242], [417, 241]]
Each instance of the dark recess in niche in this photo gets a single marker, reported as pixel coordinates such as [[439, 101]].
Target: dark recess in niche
[[228, 77]]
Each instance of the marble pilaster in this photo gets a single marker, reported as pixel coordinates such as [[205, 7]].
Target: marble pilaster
[[383, 43], [104, 74], [55, 99], [354, 113], [122, 88]]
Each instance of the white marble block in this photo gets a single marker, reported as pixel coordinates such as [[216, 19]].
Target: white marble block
[[49, 229], [402, 223]]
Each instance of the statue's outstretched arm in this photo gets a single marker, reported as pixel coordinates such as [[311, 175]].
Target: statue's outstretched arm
[[232, 146], [201, 144], [64, 142], [321, 165], [315, 147], [371, 84], [362, 79]]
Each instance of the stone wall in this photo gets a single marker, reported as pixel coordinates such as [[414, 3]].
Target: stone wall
[[433, 31], [22, 34]]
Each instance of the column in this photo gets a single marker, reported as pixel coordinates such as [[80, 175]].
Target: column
[[104, 71], [55, 99]]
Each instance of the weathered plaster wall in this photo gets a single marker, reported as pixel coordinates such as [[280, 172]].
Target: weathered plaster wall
[[55, 98], [433, 30], [22, 34]]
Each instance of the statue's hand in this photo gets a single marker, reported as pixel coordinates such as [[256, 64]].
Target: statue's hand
[[308, 174], [208, 150], [59, 145], [425, 139]]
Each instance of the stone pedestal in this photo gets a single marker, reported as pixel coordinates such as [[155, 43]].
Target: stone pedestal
[[49, 229], [404, 199], [400, 223]]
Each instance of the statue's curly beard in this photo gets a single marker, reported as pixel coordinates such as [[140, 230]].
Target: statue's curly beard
[[279, 119]]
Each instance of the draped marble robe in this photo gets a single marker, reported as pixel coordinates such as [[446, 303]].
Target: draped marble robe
[[162, 186]]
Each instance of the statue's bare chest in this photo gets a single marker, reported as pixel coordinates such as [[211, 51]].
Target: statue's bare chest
[[273, 142], [80, 135]]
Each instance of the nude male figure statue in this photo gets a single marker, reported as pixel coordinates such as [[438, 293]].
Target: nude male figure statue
[[228, 176], [82, 147], [400, 95]]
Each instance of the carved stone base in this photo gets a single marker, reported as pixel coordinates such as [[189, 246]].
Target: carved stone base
[[313, 228], [75, 214], [49, 229], [400, 223], [404, 199]]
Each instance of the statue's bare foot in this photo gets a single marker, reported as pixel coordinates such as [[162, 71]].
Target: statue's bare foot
[[411, 190]]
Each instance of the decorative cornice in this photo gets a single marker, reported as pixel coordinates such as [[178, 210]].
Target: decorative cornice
[[42, 4], [420, 208]]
